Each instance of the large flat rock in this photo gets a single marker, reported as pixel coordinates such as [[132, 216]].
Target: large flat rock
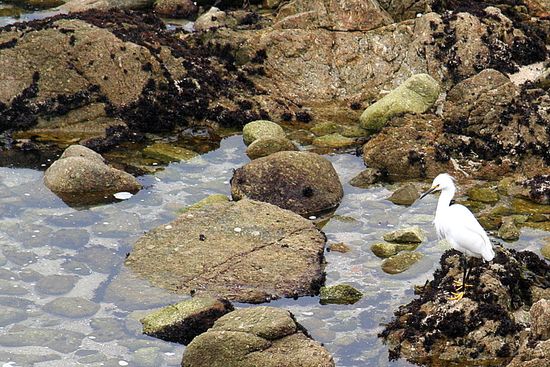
[[245, 251]]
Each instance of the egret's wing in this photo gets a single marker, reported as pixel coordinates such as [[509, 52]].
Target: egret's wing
[[469, 233]]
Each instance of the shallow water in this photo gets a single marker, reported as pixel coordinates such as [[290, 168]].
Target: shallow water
[[42, 238]]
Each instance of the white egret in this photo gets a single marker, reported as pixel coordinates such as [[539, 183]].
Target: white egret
[[457, 224]]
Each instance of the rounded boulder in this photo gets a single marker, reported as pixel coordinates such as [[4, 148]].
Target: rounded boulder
[[303, 182]]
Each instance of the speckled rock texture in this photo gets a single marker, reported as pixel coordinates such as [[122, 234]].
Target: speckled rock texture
[[245, 251], [482, 327], [303, 182], [181, 322], [258, 336], [81, 177]]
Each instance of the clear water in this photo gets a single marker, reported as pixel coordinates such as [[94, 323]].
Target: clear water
[[40, 236]]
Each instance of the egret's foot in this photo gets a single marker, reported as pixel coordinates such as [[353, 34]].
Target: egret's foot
[[457, 296], [459, 285]]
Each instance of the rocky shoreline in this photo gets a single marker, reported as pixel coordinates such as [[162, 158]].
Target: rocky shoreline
[[416, 88]]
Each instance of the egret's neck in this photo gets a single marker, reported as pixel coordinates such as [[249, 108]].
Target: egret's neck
[[445, 198]]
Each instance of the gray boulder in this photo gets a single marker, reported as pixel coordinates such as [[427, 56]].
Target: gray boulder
[[246, 251], [81, 177], [303, 182], [259, 336], [181, 322], [405, 195]]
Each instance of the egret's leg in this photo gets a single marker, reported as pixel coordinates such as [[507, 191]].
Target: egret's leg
[[461, 286]]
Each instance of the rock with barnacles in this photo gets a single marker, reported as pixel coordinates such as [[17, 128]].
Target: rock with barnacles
[[303, 182], [535, 346], [481, 328]]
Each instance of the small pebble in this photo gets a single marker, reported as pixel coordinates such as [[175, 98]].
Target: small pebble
[[312, 217]]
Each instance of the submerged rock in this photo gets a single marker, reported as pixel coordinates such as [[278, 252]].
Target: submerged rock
[[335, 140], [412, 234], [246, 251], [385, 249], [416, 95], [209, 200], [167, 153], [401, 262], [303, 182], [339, 247], [258, 336], [480, 329], [405, 195], [181, 322], [81, 177], [261, 129], [73, 307], [341, 294], [265, 146], [366, 178]]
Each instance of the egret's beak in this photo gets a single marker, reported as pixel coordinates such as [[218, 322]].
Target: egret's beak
[[429, 191]]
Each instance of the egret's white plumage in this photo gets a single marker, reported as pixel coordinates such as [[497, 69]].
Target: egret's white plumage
[[457, 224]]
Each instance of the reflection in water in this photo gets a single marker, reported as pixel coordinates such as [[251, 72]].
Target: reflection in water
[[51, 252]]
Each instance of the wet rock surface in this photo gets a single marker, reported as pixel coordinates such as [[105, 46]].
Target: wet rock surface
[[183, 321], [258, 336], [481, 327], [263, 147], [81, 177], [406, 235], [405, 195], [303, 182], [401, 262], [226, 250], [342, 294]]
